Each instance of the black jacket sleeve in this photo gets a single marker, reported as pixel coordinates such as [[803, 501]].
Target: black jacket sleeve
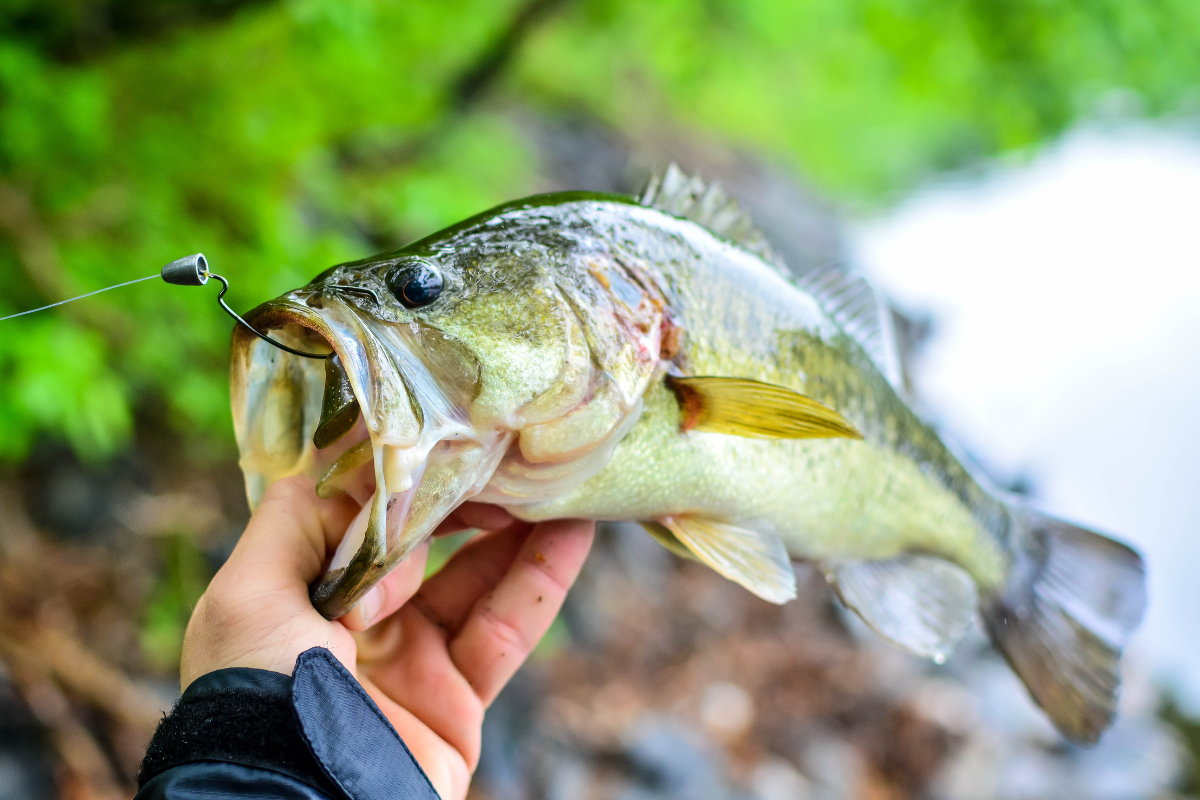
[[317, 735]]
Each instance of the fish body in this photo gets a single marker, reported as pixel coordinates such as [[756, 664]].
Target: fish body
[[650, 359], [897, 489]]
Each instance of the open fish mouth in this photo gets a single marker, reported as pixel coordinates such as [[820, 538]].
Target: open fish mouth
[[388, 419], [391, 416]]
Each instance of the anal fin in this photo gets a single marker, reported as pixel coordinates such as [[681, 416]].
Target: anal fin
[[757, 561], [919, 602]]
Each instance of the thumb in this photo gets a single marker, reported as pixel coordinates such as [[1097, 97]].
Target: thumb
[[292, 532], [256, 611]]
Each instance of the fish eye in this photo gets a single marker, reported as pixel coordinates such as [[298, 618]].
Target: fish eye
[[415, 284]]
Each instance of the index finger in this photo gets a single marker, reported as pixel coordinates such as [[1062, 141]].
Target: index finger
[[506, 623], [469, 515]]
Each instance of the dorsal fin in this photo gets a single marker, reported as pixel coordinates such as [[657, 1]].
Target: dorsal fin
[[674, 191], [859, 311], [848, 299]]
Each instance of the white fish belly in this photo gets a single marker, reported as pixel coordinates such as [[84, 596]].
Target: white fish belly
[[827, 499]]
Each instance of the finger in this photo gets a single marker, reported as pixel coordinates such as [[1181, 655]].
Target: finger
[[256, 611], [396, 588], [474, 570], [291, 532], [405, 656], [445, 767], [474, 515], [505, 625]]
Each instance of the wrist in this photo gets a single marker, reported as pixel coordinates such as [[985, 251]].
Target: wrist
[[270, 639]]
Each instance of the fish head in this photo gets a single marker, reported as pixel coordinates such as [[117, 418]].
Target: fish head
[[497, 373]]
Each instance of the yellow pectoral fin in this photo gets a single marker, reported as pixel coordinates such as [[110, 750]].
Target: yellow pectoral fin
[[757, 410], [757, 561]]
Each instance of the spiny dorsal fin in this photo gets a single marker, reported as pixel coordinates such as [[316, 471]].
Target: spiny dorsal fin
[[922, 603], [755, 410], [849, 299], [758, 561], [859, 311], [674, 191]]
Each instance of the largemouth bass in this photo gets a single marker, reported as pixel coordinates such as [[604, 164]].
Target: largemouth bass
[[650, 359]]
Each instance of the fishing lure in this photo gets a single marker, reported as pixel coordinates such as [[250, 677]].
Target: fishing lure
[[187, 271]]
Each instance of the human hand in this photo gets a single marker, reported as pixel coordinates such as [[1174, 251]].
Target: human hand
[[432, 665]]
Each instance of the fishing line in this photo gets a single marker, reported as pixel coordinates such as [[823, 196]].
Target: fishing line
[[187, 271], [80, 297]]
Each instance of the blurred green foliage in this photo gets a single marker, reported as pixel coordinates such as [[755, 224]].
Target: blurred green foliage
[[1187, 729], [442, 548], [865, 96], [181, 581], [282, 137]]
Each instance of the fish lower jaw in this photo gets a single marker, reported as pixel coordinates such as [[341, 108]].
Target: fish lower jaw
[[405, 493], [378, 525]]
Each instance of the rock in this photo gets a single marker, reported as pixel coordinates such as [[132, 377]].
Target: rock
[[569, 778], [835, 767], [726, 709], [776, 779], [672, 761], [1137, 758]]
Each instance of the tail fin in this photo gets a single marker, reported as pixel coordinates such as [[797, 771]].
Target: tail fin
[[1072, 600]]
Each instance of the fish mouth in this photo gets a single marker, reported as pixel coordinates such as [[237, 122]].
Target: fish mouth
[[412, 428], [390, 419]]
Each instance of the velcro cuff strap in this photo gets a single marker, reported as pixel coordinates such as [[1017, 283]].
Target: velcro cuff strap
[[358, 748], [319, 726], [239, 716]]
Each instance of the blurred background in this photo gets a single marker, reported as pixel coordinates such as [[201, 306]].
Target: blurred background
[[1020, 177]]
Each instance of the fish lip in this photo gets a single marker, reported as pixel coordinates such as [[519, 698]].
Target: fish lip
[[293, 309], [358, 566], [279, 313]]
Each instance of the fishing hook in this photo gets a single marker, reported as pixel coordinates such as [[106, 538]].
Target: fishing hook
[[358, 290], [193, 271]]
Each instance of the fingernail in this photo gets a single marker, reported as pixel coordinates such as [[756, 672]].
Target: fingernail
[[369, 606]]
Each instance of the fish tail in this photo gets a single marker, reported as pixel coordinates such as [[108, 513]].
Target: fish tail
[[1072, 599]]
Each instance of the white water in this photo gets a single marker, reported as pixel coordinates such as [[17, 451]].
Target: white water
[[1066, 347]]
